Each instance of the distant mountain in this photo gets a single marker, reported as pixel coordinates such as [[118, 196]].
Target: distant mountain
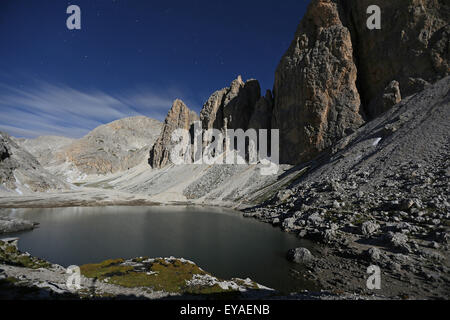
[[110, 148], [44, 148]]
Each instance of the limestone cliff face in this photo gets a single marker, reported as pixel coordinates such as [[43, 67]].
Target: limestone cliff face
[[411, 48], [336, 74], [239, 106], [232, 107], [262, 113], [337, 70], [316, 97], [179, 117]]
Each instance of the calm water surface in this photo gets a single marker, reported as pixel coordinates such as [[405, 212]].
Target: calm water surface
[[220, 241]]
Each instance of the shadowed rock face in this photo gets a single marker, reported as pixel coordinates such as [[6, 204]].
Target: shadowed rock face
[[262, 113], [4, 153], [316, 97], [336, 69], [412, 46], [233, 107], [179, 117]]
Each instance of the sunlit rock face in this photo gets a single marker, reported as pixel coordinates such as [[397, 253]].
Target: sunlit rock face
[[337, 71], [114, 147], [316, 96], [179, 117], [233, 107]]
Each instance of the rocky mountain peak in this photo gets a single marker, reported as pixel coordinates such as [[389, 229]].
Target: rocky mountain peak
[[337, 72], [316, 97], [231, 107], [179, 117]]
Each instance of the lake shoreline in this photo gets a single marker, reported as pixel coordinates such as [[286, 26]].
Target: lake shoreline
[[41, 280], [339, 267]]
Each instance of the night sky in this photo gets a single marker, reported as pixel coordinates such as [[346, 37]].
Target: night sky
[[131, 57]]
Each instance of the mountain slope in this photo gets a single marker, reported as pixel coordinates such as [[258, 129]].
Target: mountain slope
[[380, 196], [405, 153], [44, 148], [110, 148], [21, 173]]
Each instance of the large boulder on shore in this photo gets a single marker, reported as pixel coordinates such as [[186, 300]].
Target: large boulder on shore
[[300, 255]]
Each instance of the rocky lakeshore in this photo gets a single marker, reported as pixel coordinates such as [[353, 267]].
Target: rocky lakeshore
[[380, 197], [25, 277]]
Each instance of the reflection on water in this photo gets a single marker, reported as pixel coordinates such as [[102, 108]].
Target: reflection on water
[[220, 241]]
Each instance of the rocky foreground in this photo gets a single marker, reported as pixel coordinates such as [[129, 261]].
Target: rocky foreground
[[25, 277], [380, 197]]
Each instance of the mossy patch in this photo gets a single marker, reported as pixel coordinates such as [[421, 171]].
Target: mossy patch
[[10, 255], [169, 275]]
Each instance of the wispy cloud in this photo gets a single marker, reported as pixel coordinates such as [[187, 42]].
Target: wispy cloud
[[49, 109]]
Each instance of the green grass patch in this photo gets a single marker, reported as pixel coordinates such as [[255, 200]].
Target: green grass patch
[[10, 255], [158, 274]]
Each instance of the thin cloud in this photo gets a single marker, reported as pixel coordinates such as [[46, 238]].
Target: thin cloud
[[49, 109]]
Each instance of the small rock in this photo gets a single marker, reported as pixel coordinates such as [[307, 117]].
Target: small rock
[[406, 204], [336, 205], [374, 254], [369, 227], [434, 245], [284, 195], [289, 224], [300, 255], [394, 266], [329, 235], [315, 219], [396, 239], [303, 233], [15, 225]]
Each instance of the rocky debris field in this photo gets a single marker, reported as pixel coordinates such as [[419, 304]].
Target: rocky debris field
[[380, 197]]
